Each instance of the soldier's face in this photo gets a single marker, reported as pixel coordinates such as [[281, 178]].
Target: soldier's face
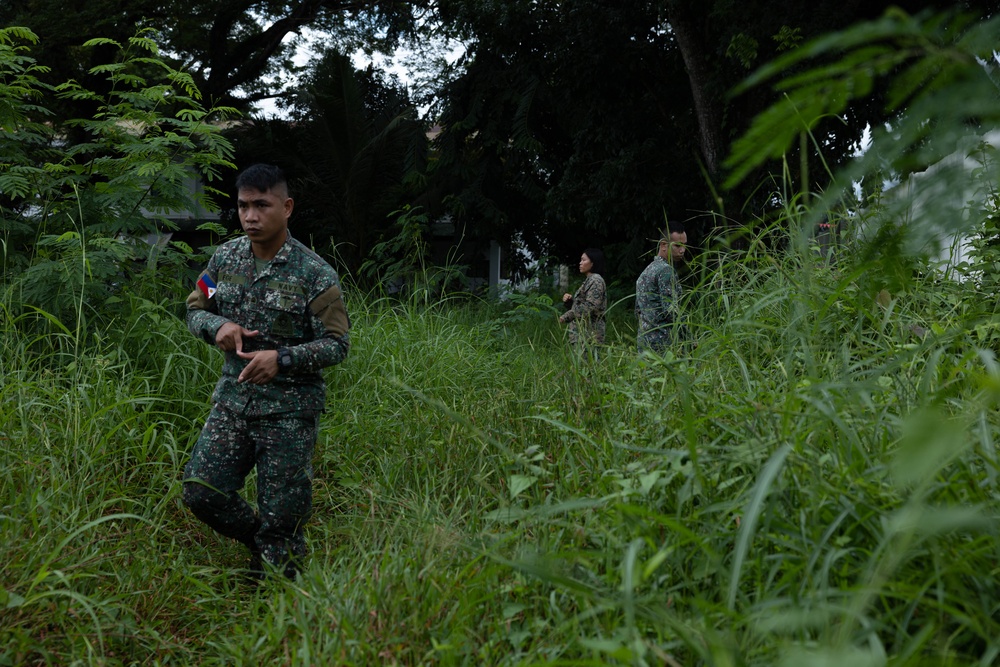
[[585, 264], [264, 217], [676, 248]]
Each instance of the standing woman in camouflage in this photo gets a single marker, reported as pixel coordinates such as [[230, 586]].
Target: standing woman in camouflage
[[586, 307], [275, 309]]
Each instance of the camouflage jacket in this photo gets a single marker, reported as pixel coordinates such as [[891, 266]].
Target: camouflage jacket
[[657, 292], [295, 302], [586, 315]]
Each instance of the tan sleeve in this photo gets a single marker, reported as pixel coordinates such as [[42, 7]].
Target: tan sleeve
[[330, 309], [197, 300]]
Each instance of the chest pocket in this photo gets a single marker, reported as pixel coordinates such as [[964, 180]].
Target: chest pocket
[[229, 296], [286, 314]]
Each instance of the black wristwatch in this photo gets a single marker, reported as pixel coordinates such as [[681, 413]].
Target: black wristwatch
[[284, 360]]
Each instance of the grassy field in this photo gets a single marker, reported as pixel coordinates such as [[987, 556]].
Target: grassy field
[[814, 484]]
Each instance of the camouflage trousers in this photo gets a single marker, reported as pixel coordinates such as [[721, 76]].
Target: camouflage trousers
[[661, 339], [655, 340], [281, 447]]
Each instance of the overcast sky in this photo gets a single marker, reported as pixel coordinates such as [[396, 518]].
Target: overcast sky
[[393, 65]]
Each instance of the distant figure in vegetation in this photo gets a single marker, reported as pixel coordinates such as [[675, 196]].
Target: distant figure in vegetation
[[275, 309], [657, 292], [585, 308]]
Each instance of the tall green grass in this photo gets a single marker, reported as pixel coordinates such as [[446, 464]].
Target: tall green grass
[[814, 483]]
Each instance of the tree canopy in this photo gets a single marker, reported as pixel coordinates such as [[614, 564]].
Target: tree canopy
[[354, 151], [564, 124], [236, 51], [600, 121]]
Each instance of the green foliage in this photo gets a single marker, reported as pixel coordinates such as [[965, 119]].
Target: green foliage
[[400, 262], [77, 192], [560, 123], [929, 61], [813, 483], [590, 119], [404, 253], [982, 269], [528, 306], [929, 176], [355, 154], [236, 54]]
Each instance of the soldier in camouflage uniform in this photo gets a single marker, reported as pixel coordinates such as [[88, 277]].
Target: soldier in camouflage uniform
[[657, 292], [276, 310], [585, 314]]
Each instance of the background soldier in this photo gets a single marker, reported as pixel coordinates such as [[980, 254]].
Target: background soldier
[[276, 310], [586, 308], [657, 292]]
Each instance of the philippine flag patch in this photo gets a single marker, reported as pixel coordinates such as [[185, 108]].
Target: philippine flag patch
[[206, 285]]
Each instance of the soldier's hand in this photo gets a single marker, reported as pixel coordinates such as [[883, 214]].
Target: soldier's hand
[[230, 337], [263, 366]]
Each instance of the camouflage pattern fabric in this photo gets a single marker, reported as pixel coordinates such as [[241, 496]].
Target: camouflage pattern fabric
[[295, 302], [586, 315], [281, 447], [657, 292]]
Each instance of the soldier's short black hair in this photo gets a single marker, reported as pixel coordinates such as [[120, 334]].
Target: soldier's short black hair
[[262, 177], [672, 228], [597, 259]]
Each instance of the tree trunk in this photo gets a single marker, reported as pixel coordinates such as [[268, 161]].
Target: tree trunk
[[707, 104]]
